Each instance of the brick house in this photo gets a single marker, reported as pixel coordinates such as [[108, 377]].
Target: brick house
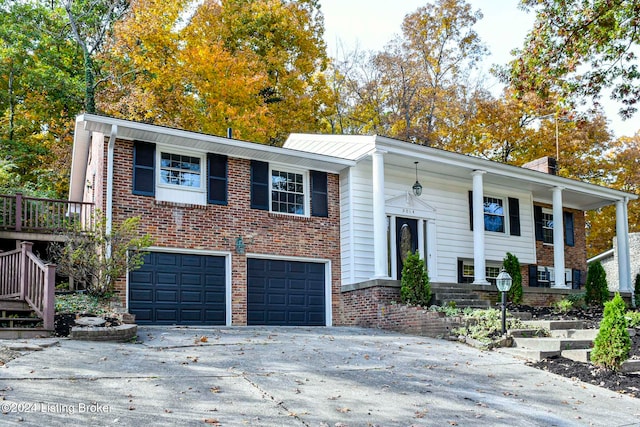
[[244, 233], [248, 234]]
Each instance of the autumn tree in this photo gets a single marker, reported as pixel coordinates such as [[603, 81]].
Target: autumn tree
[[580, 49], [254, 66], [40, 94]]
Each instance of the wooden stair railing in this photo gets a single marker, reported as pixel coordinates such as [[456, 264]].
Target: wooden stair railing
[[25, 277]]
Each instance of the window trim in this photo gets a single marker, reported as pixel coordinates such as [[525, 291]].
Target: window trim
[[306, 188], [505, 214], [546, 211], [203, 170], [469, 278]]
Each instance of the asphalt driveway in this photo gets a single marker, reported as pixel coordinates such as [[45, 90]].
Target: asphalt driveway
[[267, 376]]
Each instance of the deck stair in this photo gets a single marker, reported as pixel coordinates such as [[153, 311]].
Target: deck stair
[[461, 296], [18, 320]]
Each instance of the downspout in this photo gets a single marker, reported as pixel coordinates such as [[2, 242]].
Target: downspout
[[109, 207]]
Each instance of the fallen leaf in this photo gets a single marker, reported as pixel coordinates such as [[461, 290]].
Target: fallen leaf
[[215, 389], [344, 410], [212, 421]]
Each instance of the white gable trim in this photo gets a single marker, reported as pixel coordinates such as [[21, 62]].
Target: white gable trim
[[408, 205]]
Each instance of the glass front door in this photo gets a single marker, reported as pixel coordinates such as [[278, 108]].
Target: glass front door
[[406, 240]]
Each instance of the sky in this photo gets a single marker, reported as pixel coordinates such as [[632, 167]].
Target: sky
[[370, 24]]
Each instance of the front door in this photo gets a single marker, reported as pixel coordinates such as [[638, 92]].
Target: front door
[[406, 240]]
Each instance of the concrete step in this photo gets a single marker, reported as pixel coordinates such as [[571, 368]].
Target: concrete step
[[22, 333], [631, 366], [463, 302], [579, 355], [552, 344], [553, 325], [586, 334], [529, 354], [527, 333]]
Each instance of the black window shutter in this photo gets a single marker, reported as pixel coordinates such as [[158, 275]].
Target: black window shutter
[[575, 279], [533, 275], [259, 185], [514, 216], [568, 229], [470, 211], [144, 160], [537, 216], [217, 179], [319, 196], [460, 271]]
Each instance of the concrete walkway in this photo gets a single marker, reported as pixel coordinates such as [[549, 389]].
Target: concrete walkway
[[293, 377]]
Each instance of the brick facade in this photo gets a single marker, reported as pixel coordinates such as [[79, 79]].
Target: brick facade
[[374, 305], [575, 257], [216, 227]]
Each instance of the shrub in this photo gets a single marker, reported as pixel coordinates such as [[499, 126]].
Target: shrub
[[636, 290], [563, 306], [512, 266], [485, 325], [596, 288], [99, 258], [414, 285], [633, 319], [81, 303], [613, 344]]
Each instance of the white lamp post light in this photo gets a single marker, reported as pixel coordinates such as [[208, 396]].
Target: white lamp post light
[[503, 282]]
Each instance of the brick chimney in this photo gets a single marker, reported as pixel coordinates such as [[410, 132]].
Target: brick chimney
[[545, 164]]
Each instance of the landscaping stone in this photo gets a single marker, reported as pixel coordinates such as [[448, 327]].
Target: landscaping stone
[[90, 321], [120, 333]]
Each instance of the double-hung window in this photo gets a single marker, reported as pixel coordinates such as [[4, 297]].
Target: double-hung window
[[180, 170], [547, 226], [288, 192], [494, 214]]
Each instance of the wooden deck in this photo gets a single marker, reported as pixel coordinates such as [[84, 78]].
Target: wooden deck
[[20, 214]]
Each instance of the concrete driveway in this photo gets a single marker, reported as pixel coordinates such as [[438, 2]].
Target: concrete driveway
[[268, 376]]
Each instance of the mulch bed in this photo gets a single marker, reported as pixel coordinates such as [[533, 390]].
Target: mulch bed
[[619, 382]]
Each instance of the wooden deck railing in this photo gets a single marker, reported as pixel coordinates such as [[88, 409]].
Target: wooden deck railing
[[25, 277], [31, 214]]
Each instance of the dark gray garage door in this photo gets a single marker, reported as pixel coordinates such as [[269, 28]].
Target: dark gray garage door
[[181, 289], [285, 293]]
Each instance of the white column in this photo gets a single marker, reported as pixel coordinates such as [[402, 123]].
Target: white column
[[479, 275], [622, 237], [379, 217], [558, 239], [432, 253], [421, 239]]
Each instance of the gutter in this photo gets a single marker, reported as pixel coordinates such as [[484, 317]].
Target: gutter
[[110, 150]]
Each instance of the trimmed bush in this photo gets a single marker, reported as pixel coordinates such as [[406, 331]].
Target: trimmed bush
[[414, 289], [512, 266], [636, 290], [613, 344], [596, 288]]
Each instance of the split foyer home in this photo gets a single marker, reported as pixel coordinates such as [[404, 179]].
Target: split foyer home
[[250, 234]]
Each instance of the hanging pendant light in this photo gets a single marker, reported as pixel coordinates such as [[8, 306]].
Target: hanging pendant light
[[417, 187]]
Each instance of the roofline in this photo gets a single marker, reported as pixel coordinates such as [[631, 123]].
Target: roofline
[[502, 169], [336, 162], [601, 256]]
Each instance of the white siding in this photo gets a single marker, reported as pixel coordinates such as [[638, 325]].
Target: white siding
[[449, 198]]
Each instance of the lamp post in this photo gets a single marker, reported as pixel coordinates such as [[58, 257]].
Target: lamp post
[[503, 282]]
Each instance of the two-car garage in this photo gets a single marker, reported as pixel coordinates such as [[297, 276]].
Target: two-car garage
[[194, 289]]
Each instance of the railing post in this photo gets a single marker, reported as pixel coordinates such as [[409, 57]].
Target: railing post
[[26, 248], [18, 211], [49, 297]]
